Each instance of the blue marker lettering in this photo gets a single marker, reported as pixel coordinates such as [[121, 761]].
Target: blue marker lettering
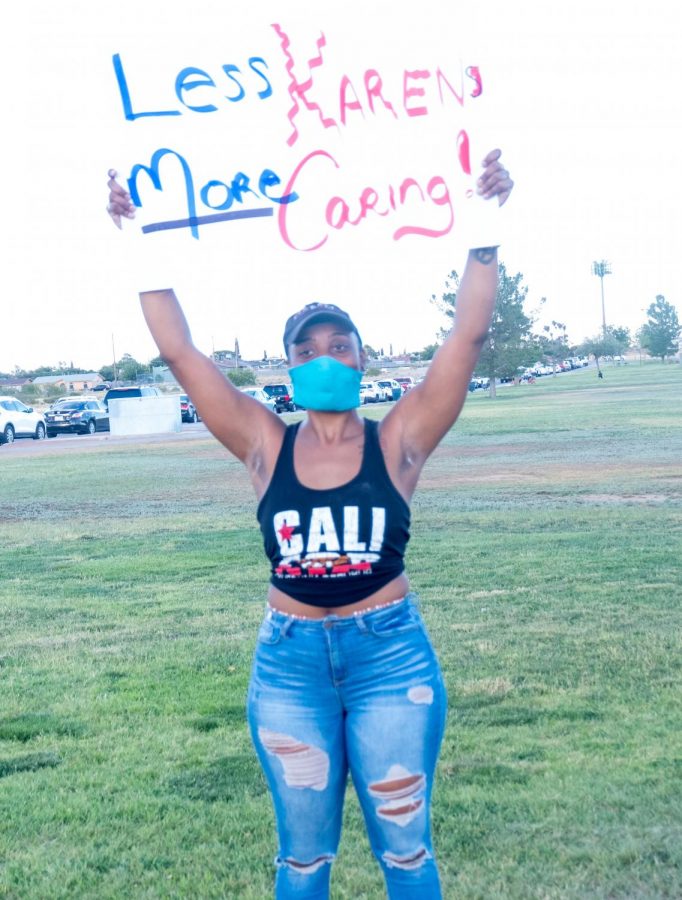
[[184, 83], [125, 95], [227, 202], [269, 179], [153, 172], [240, 185], [267, 90], [230, 68]]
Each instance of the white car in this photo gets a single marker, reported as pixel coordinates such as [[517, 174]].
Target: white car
[[369, 392], [391, 388], [18, 420], [260, 395], [383, 393]]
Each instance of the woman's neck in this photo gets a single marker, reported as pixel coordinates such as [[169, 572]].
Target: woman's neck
[[332, 427]]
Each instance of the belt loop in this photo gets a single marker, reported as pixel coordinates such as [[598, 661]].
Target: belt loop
[[360, 622], [285, 626]]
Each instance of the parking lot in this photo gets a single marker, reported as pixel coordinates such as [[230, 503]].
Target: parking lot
[[63, 443]]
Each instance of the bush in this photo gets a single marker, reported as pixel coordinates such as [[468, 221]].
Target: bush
[[242, 377], [29, 392]]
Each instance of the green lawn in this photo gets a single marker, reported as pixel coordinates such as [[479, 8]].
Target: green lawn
[[547, 547]]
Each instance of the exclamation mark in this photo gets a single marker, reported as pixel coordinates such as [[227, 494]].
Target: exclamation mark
[[464, 159]]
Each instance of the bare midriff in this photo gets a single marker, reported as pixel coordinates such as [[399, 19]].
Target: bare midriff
[[390, 592]]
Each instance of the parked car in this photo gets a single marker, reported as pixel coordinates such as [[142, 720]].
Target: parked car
[[18, 420], [188, 412], [282, 394], [391, 388], [381, 393], [260, 395], [369, 393], [77, 417], [406, 383], [123, 393], [60, 401]]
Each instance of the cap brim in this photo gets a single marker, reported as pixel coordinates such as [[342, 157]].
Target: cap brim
[[320, 316]]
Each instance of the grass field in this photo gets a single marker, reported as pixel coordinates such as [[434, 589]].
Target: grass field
[[547, 548]]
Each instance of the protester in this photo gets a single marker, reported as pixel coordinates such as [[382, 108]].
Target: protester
[[344, 676]]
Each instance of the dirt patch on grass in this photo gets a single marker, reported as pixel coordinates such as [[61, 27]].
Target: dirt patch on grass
[[556, 474], [625, 498], [494, 687], [449, 451]]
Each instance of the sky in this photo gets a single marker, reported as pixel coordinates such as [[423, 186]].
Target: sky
[[582, 98]]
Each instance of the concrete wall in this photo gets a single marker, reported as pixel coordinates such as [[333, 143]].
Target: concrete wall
[[145, 415]]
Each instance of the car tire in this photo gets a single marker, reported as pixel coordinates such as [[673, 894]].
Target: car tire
[[7, 435], [92, 427], [194, 418], [40, 432]]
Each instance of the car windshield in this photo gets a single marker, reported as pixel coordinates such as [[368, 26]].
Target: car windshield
[[124, 392], [276, 389], [71, 405]]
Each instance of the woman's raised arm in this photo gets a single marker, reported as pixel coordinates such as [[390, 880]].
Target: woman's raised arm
[[414, 427], [247, 428]]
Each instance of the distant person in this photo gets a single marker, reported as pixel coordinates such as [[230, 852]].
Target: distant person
[[344, 674]]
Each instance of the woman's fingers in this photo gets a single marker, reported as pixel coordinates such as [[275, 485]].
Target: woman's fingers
[[119, 200], [495, 180], [114, 215]]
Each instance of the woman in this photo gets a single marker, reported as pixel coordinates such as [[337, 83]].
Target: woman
[[344, 675]]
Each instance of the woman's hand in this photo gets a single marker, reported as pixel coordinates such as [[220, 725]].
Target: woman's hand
[[119, 200], [495, 180]]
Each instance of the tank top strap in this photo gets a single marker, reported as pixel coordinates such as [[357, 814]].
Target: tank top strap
[[373, 457], [285, 460]]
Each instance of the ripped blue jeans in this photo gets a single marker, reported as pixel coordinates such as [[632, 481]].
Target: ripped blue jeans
[[363, 694]]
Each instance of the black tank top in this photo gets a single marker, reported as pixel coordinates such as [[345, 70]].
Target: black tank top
[[334, 546]]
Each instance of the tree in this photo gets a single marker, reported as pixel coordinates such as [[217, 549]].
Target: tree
[[621, 334], [446, 303], [428, 352], [553, 344], [107, 373], [661, 333], [599, 346], [509, 344], [129, 368]]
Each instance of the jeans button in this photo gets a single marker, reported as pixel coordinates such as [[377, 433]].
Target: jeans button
[[328, 625]]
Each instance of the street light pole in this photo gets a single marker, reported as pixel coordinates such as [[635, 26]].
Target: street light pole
[[600, 269], [113, 348]]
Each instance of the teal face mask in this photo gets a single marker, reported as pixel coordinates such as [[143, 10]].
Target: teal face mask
[[324, 384]]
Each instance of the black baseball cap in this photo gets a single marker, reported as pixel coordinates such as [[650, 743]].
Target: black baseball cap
[[311, 312]]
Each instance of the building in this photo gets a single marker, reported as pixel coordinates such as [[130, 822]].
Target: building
[[81, 381]]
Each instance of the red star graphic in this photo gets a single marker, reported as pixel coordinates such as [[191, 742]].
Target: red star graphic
[[286, 532]]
